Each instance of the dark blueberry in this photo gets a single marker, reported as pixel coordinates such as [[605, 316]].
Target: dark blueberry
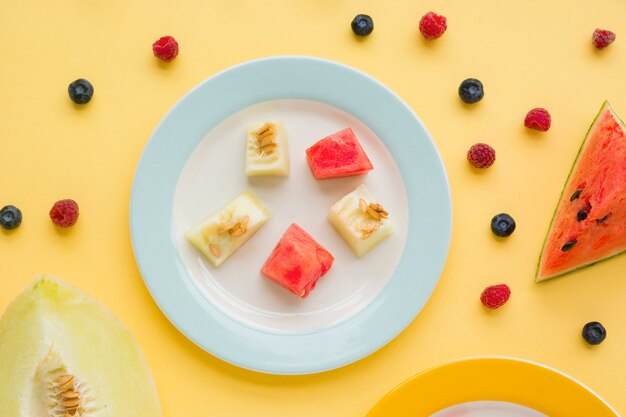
[[569, 245], [471, 90], [10, 217], [80, 91], [502, 225], [575, 195], [594, 333], [362, 25], [581, 215]]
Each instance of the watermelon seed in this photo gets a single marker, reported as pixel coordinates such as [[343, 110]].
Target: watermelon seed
[[569, 245], [603, 219], [576, 194], [581, 215]]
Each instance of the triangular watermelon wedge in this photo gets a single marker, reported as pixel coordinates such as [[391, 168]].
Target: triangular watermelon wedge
[[589, 224]]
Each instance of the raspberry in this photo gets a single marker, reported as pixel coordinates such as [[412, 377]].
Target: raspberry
[[494, 296], [538, 119], [481, 155], [64, 213], [432, 25], [165, 48], [602, 38]]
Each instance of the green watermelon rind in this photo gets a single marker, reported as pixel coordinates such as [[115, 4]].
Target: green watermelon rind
[[606, 105]]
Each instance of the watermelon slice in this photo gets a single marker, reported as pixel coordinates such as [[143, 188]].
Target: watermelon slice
[[589, 223], [338, 155], [297, 262]]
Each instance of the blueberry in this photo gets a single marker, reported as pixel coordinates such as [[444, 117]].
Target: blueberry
[[10, 217], [502, 225], [471, 90], [594, 333], [80, 91], [362, 25]]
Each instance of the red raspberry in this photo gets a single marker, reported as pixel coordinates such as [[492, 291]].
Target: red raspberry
[[432, 25], [495, 296], [165, 48], [481, 155], [602, 38], [64, 213], [538, 119]]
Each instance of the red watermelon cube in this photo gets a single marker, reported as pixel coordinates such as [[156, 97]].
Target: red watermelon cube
[[297, 262], [338, 155]]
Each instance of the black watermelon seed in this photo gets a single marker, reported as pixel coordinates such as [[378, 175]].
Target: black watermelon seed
[[569, 245], [575, 195], [603, 219], [581, 215]]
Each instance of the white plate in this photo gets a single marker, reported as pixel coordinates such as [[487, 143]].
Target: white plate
[[214, 174], [193, 164], [488, 409]]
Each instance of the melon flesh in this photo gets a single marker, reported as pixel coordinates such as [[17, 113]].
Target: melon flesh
[[63, 353], [359, 229], [590, 220], [338, 155]]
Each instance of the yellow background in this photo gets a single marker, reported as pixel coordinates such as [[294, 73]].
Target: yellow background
[[527, 53]]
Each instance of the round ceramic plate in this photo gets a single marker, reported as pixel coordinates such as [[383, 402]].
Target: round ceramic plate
[[492, 386], [194, 165]]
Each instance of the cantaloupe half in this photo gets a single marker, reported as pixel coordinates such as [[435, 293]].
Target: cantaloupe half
[[62, 353]]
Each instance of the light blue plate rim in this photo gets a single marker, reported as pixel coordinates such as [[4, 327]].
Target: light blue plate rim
[[184, 127]]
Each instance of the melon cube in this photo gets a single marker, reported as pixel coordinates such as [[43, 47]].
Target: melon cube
[[297, 262], [360, 220], [267, 151], [338, 155], [220, 234]]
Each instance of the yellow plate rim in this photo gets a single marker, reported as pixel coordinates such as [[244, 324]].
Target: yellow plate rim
[[472, 379]]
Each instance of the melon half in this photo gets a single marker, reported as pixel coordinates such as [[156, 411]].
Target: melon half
[[589, 224], [62, 353]]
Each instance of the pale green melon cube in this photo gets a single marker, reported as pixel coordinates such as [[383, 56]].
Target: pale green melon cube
[[220, 234], [267, 150], [360, 220]]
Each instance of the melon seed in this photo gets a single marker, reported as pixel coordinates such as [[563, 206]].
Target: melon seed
[[569, 245], [603, 219], [362, 205], [581, 215], [69, 394], [70, 403], [65, 382], [576, 194], [215, 250]]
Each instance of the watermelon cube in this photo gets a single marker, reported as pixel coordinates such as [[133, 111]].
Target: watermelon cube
[[297, 262], [338, 155]]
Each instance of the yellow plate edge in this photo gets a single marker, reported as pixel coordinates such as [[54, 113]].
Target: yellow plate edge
[[496, 378]]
